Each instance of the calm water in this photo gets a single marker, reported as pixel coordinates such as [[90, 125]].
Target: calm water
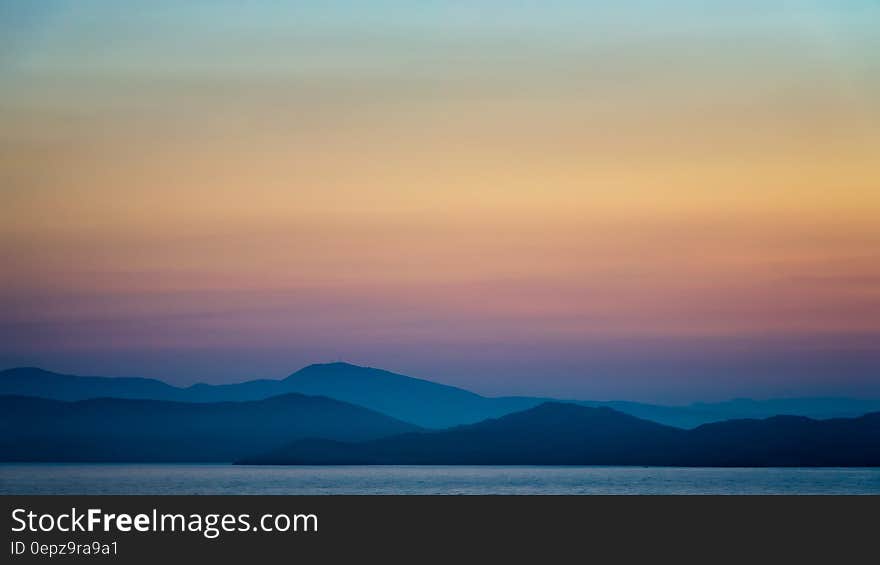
[[230, 479]]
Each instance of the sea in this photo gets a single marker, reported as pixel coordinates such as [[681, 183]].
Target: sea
[[159, 479]]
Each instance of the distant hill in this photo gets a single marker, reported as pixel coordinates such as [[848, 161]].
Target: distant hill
[[567, 434], [815, 407], [113, 429], [787, 441], [414, 400], [418, 401], [549, 434], [31, 381]]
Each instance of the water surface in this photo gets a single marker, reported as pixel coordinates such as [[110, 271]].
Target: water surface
[[30, 478]]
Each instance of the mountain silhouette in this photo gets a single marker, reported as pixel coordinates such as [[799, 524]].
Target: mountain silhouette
[[410, 399], [421, 402], [114, 429], [568, 434], [32, 381], [787, 441], [418, 401]]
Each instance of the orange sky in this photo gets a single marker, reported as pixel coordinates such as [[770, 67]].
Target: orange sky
[[342, 189]]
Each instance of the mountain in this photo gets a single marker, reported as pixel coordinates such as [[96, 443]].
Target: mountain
[[549, 434], [568, 434], [815, 407], [787, 441], [425, 403], [678, 416], [31, 381], [421, 402], [114, 429]]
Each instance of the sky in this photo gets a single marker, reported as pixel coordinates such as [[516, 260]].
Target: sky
[[664, 201]]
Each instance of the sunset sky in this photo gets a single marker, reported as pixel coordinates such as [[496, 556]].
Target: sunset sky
[[662, 201]]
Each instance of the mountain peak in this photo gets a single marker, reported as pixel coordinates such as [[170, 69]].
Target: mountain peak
[[335, 368], [334, 365], [554, 413]]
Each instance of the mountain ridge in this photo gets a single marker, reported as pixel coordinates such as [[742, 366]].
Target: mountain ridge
[[568, 434], [418, 401], [145, 430]]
